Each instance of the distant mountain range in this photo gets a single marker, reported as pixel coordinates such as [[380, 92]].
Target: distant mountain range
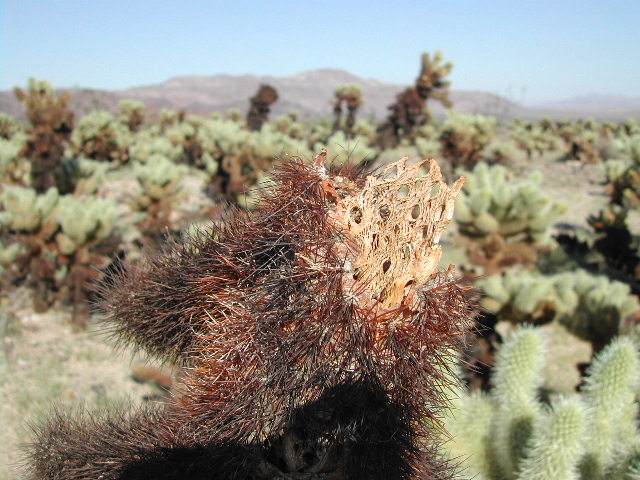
[[310, 94]]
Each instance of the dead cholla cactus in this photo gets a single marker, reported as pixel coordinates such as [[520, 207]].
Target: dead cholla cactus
[[261, 106], [315, 332]]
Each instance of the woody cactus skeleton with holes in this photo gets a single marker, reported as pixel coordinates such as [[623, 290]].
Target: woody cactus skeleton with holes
[[314, 332]]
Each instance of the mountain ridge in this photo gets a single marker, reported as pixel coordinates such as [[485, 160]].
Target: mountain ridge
[[310, 93]]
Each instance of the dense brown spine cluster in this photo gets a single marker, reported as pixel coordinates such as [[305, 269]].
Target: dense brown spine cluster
[[291, 368]]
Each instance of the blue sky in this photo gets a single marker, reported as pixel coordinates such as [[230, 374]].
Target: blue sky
[[528, 51]]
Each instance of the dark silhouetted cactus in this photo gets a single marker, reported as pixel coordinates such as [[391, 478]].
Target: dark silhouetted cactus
[[261, 106], [315, 331], [410, 109]]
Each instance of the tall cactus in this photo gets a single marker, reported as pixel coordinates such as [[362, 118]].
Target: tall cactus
[[51, 123], [410, 109]]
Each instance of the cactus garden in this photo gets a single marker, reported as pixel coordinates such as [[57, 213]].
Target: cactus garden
[[245, 295]]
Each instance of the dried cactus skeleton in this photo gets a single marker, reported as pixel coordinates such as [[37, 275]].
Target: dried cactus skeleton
[[315, 333]]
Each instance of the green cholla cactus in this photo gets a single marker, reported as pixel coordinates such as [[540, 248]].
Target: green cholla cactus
[[352, 151], [534, 138], [610, 392], [131, 113], [587, 437], [591, 307], [149, 142], [81, 176], [26, 211], [84, 221], [503, 221], [9, 127], [556, 445], [469, 433], [427, 148], [100, 136], [491, 203], [464, 137], [14, 167], [517, 375], [160, 181], [501, 152], [351, 95]]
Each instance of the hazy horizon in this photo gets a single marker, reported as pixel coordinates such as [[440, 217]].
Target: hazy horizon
[[530, 52]]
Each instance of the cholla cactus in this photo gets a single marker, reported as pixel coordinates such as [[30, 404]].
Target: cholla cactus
[[610, 392], [517, 375], [535, 138], [9, 127], [315, 332], [26, 211], [501, 219], [131, 113], [581, 140], [592, 307], [261, 106], [51, 123], [149, 142], [81, 176], [592, 436], [351, 95], [100, 136], [63, 241], [15, 168], [557, 443], [410, 110], [160, 181], [464, 137]]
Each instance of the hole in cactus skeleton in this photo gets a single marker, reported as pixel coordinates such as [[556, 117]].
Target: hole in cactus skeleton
[[403, 192], [415, 212], [356, 215], [386, 265], [385, 212], [391, 174], [435, 190]]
